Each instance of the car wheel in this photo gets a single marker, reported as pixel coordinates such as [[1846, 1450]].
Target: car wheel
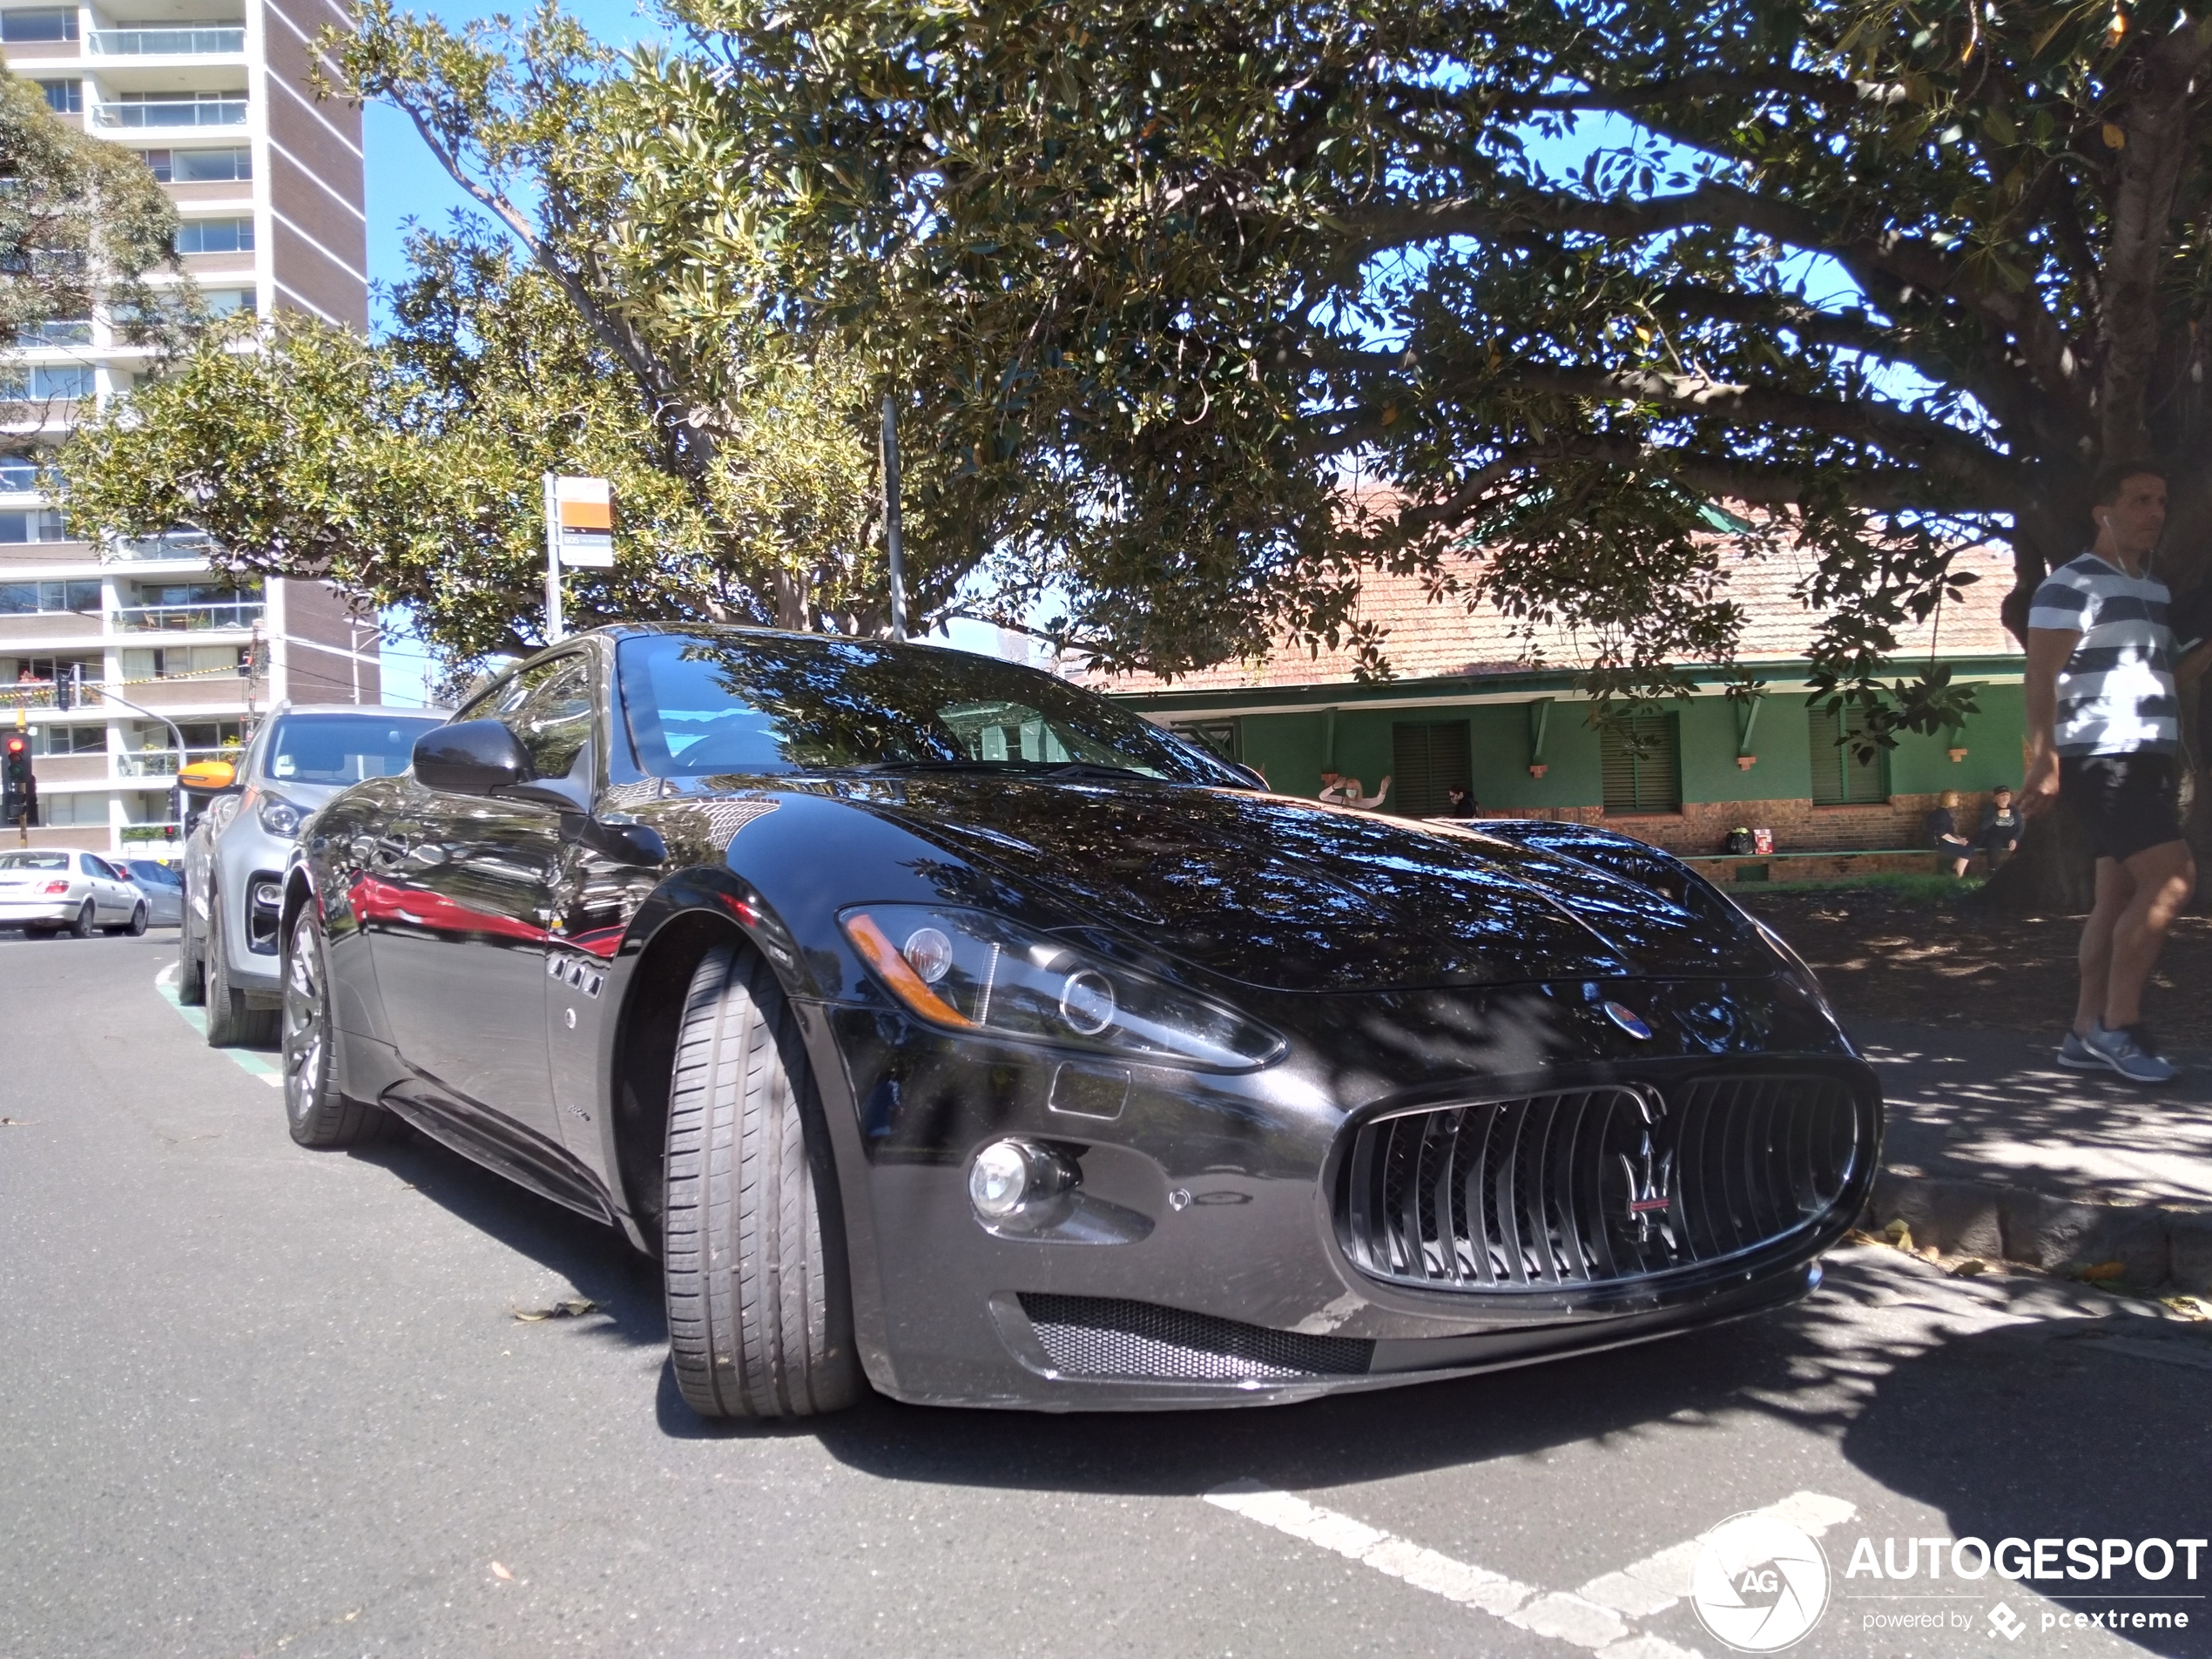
[[82, 928], [319, 1114], [137, 926], [231, 1024], [760, 1310]]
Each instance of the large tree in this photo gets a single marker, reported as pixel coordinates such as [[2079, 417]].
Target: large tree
[[79, 220], [1890, 277]]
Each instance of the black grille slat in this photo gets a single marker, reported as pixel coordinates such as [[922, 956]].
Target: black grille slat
[[1591, 1187]]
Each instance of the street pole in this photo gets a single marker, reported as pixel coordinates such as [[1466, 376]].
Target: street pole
[[176, 787], [893, 540], [553, 625]]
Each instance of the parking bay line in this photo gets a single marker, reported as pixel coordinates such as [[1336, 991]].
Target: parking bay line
[[253, 1064], [1594, 1617]]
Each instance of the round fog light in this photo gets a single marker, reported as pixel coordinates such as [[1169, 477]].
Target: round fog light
[[1008, 1174]]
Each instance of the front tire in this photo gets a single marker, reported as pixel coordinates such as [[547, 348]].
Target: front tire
[[231, 1024], [318, 1113], [760, 1307]]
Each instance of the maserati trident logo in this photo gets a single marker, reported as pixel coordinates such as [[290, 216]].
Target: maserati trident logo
[[1628, 1020], [1651, 1176]]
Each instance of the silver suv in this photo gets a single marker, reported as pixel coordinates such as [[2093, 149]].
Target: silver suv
[[226, 952]]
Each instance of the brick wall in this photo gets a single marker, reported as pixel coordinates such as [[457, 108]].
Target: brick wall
[[1799, 825]]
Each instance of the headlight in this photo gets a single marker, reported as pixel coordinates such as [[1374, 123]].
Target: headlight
[[281, 818], [966, 970]]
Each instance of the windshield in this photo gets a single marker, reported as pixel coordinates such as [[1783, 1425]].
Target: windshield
[[343, 748], [34, 860], [769, 703]]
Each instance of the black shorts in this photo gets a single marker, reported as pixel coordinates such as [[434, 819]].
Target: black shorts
[[2128, 803]]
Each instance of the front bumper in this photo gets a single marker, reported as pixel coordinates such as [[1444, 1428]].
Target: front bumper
[[1204, 1259]]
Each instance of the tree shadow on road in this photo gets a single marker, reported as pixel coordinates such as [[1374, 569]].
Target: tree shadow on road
[[597, 1260]]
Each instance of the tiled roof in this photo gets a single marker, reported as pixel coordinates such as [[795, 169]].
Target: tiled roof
[[1428, 641]]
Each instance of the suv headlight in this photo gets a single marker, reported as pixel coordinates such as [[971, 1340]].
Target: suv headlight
[[966, 970], [281, 818]]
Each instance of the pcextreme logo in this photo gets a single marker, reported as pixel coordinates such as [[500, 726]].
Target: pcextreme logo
[[1760, 1583]]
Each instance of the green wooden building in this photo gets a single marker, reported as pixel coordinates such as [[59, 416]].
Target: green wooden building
[[1477, 705]]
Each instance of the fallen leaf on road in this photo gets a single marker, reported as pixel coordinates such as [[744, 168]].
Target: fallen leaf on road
[[13, 1123], [2189, 1307], [2101, 1272], [1968, 1268], [1928, 1253], [1899, 1234], [1855, 1236], [574, 1308], [497, 1571]]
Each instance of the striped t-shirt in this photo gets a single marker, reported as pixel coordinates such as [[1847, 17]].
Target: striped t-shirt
[[2117, 691]]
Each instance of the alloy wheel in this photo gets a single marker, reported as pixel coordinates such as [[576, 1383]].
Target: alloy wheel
[[305, 1019]]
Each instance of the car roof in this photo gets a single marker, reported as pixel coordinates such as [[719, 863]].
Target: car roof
[[375, 708]]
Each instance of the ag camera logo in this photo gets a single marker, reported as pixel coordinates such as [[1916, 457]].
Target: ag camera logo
[[1760, 1583]]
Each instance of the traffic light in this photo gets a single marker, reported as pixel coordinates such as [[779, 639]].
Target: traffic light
[[18, 785]]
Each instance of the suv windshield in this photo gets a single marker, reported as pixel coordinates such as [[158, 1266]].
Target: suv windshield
[[343, 748], [770, 703]]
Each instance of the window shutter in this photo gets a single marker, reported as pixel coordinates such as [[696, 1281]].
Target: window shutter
[[1642, 763], [1428, 760], [1841, 776]]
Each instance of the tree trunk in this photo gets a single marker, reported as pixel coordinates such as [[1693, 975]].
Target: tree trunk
[[2052, 873]]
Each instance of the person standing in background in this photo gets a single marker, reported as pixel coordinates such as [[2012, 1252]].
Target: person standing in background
[[2103, 732], [1941, 828]]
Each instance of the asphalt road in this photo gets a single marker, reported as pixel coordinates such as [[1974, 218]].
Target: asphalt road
[[256, 1400]]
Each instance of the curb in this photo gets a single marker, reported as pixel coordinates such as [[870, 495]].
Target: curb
[[2155, 1244]]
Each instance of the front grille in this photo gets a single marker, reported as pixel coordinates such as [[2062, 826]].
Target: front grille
[[1094, 1336], [1597, 1186]]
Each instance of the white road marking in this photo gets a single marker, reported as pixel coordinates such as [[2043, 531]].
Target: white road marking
[[1656, 1582], [1572, 1619], [253, 1065]]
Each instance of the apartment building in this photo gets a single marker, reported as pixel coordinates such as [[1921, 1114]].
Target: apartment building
[[103, 648]]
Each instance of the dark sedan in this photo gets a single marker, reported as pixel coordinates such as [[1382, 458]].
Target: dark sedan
[[941, 1026]]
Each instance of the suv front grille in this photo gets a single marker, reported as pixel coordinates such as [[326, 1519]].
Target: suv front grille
[[1586, 1188]]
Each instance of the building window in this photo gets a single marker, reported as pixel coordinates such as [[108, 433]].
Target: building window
[[44, 384], [69, 740], [74, 810], [215, 236], [1846, 770], [18, 472], [1428, 760], [227, 166], [46, 23], [48, 598], [21, 529], [1222, 737], [64, 97], [1640, 756]]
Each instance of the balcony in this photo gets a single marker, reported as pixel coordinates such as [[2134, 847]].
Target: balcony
[[174, 112], [192, 618], [175, 544], [166, 42], [161, 763]]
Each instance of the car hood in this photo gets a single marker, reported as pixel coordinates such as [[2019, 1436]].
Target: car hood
[[1291, 895]]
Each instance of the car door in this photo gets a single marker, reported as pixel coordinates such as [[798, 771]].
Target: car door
[[113, 899], [459, 951]]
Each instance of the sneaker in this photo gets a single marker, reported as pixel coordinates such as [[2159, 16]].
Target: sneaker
[[2127, 1051], [2077, 1054]]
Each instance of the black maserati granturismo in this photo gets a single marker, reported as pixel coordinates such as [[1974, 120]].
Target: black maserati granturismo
[[944, 1027]]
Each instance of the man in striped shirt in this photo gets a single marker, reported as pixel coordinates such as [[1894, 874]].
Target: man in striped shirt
[[2104, 733]]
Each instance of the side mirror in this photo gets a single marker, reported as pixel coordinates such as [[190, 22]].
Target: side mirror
[[470, 757], [208, 777]]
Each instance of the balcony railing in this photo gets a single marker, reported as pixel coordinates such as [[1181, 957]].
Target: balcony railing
[[161, 763], [182, 112], [177, 544], [165, 43], [149, 619]]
